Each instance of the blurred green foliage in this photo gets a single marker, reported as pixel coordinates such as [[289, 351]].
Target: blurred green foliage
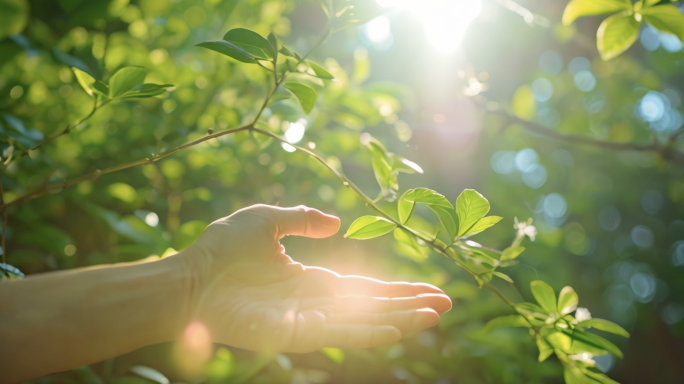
[[526, 112]]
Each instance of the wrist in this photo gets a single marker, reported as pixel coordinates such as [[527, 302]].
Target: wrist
[[191, 267]]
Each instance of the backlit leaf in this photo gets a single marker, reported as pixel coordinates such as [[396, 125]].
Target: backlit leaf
[[230, 50], [126, 79], [544, 295], [503, 276], [482, 224], [604, 325], [305, 94], [507, 321], [511, 253], [145, 90], [447, 220], [582, 339], [616, 34], [406, 240], [428, 196], [320, 72], [579, 8], [405, 207], [368, 227], [665, 18], [470, 207], [251, 42], [545, 349], [567, 301]]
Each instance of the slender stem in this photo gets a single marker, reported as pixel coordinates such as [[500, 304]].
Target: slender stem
[[667, 152]]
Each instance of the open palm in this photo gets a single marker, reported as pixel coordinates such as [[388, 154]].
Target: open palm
[[250, 294]]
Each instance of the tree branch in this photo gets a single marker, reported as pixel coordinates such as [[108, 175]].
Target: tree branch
[[92, 176], [665, 151]]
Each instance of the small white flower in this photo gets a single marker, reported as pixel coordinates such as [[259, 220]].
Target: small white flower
[[525, 228], [585, 357], [582, 314]]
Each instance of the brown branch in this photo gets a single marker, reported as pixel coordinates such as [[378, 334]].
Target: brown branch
[[66, 131], [666, 152], [92, 176]]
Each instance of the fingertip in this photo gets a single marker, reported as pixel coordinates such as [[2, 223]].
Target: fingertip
[[426, 288], [322, 224], [426, 318], [439, 302]]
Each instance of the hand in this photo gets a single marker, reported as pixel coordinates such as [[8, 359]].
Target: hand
[[250, 294]]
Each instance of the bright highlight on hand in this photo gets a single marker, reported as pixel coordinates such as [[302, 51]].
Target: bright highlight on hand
[[251, 295]]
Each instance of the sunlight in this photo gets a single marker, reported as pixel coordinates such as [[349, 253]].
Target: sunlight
[[445, 21]]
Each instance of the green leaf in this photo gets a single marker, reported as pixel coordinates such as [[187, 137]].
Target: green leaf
[[150, 374], [506, 321], [126, 79], [273, 40], [556, 338], [544, 295], [567, 301], [600, 377], [382, 171], [531, 310], [368, 227], [665, 18], [503, 276], [406, 240], [616, 34], [306, 95], [230, 50], [428, 196], [575, 376], [287, 52], [401, 164], [604, 325], [545, 349], [482, 224], [251, 42], [320, 72], [579, 8], [89, 84], [584, 340], [145, 90], [470, 207], [405, 207], [446, 218], [511, 253]]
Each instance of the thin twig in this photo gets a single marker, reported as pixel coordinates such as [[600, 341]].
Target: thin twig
[[666, 151], [54, 137], [92, 176]]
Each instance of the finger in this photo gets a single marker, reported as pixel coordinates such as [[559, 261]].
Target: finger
[[358, 336], [304, 221], [360, 285], [405, 321], [350, 304]]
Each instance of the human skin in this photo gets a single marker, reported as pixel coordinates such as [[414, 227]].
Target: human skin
[[235, 285]]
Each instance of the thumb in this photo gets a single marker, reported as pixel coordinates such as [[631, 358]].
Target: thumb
[[304, 221]]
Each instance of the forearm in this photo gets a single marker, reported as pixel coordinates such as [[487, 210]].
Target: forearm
[[62, 320]]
